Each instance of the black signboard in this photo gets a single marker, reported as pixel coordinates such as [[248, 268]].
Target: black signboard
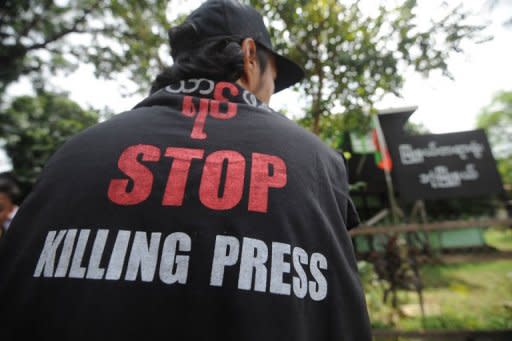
[[362, 168], [439, 165]]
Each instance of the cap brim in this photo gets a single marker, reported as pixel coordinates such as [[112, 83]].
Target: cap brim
[[288, 73]]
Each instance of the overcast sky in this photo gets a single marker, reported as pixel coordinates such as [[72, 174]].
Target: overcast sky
[[444, 105]]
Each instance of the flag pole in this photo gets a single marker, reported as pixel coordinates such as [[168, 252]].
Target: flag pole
[[395, 210]]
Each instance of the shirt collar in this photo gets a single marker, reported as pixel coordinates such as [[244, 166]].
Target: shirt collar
[[205, 88]]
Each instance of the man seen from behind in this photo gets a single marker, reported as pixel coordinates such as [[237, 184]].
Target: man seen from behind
[[200, 214]]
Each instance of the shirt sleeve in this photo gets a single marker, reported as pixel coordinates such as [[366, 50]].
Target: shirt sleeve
[[352, 218], [338, 183]]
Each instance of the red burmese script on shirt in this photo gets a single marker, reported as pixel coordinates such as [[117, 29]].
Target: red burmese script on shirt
[[218, 108]]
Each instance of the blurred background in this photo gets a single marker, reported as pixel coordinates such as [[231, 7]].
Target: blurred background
[[416, 96]]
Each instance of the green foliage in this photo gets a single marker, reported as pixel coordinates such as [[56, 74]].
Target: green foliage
[[416, 128], [352, 59], [447, 322], [32, 128], [496, 119], [381, 314], [45, 36]]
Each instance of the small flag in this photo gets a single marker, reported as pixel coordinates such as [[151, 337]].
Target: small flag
[[382, 157]]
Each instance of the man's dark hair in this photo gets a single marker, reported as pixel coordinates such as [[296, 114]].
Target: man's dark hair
[[218, 59], [9, 188]]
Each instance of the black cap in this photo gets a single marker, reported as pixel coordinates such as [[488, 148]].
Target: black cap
[[229, 18]]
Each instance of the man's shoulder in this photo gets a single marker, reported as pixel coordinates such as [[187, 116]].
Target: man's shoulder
[[289, 129], [132, 118]]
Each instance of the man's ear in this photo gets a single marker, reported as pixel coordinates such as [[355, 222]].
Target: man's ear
[[251, 74], [249, 51]]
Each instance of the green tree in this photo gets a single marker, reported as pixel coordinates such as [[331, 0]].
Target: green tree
[[496, 119], [32, 128], [38, 36], [352, 59]]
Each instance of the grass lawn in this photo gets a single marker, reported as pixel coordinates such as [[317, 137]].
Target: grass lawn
[[469, 296], [499, 238], [475, 296]]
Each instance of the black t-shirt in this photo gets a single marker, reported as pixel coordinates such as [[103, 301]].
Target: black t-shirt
[[201, 214]]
